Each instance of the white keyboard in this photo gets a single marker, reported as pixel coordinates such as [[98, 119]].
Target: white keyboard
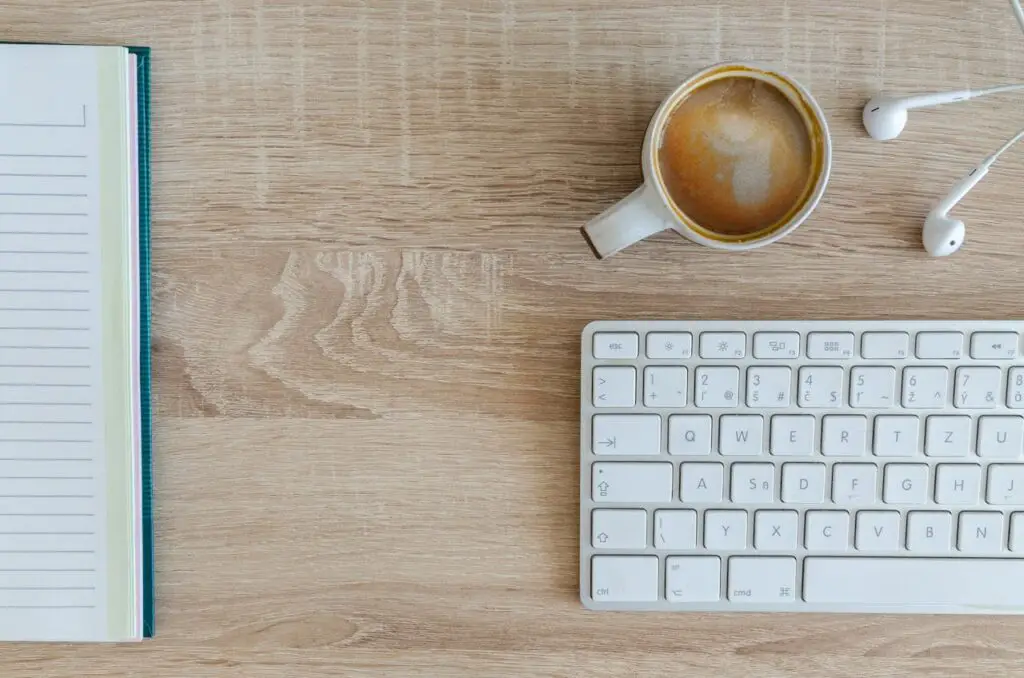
[[802, 466]]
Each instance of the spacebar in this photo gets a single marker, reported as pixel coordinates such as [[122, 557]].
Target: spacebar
[[914, 581]]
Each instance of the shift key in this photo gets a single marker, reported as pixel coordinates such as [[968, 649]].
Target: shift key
[[630, 482]]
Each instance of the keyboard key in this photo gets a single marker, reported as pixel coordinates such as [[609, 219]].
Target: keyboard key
[[611, 345], [740, 434], [693, 579], [776, 345], [716, 386], [725, 530], [873, 387], [977, 387], [665, 386], [980, 532], [723, 345], [877, 531], [926, 582], [669, 345], [701, 483], [630, 482], [885, 345], [994, 345], [626, 434], [675, 529], [1000, 436], [820, 387], [762, 579], [689, 434], [769, 387], [792, 435], [614, 387], [896, 436], [929, 531], [1005, 484], [827, 530], [1016, 540], [957, 484], [803, 483], [925, 387], [775, 530], [844, 435], [752, 483], [830, 345], [854, 484], [905, 484], [947, 436], [1015, 388], [940, 345], [624, 578], [618, 528]]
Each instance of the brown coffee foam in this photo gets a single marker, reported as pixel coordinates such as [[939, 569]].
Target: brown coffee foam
[[736, 156]]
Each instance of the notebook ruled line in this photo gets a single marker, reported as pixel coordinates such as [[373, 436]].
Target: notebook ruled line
[[79, 570], [80, 441], [47, 310], [3, 477], [47, 195], [42, 271], [77, 156], [47, 588], [45, 175], [3, 232], [46, 496], [62, 460], [44, 214], [81, 124], [46, 403], [37, 384], [15, 347], [47, 606], [65, 422]]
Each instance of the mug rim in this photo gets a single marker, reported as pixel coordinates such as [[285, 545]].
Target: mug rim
[[686, 225]]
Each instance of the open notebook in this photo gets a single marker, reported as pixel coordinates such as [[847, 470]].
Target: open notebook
[[75, 533]]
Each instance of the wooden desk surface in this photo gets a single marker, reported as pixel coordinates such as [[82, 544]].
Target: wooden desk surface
[[370, 286]]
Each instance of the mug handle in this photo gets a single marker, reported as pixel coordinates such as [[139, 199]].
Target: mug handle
[[637, 216]]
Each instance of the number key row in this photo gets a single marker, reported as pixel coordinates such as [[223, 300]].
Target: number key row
[[924, 387]]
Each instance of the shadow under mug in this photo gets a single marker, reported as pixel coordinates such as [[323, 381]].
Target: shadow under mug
[[649, 209]]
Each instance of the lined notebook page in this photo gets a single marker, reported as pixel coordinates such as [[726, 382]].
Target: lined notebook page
[[53, 465]]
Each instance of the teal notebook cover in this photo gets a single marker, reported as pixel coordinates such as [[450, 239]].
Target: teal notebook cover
[[145, 370]]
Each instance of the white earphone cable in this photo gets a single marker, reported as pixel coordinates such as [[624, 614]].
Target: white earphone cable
[[1018, 12], [1005, 147], [998, 89]]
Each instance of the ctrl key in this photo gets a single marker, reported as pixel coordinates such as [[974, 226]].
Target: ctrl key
[[624, 578]]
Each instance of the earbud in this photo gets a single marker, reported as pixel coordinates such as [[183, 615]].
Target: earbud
[[885, 117], [943, 235]]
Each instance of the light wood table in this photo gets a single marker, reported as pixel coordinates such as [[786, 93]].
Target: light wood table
[[370, 286]]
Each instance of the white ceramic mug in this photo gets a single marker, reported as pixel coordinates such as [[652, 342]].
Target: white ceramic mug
[[649, 209]]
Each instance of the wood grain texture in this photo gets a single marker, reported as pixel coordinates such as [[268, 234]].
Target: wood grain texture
[[370, 285]]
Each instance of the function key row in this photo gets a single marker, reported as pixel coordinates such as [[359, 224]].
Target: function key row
[[818, 345]]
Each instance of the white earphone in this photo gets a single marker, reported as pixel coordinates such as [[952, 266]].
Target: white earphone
[[943, 235], [885, 117]]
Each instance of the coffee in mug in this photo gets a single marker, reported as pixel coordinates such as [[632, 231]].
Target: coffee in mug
[[737, 157]]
